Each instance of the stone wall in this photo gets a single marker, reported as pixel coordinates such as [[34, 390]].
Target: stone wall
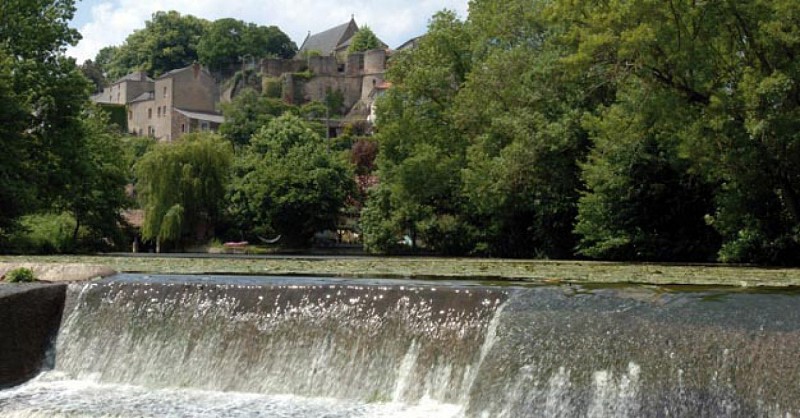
[[276, 67], [30, 315]]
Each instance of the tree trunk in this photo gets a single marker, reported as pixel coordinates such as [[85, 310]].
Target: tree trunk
[[76, 230]]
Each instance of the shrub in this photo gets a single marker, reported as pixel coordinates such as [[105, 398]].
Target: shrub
[[20, 275], [45, 234], [272, 87]]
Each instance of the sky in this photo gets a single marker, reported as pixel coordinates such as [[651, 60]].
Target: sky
[[109, 22]]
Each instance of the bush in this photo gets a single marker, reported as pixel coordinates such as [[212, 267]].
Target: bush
[[272, 87], [45, 234], [20, 275], [448, 235]]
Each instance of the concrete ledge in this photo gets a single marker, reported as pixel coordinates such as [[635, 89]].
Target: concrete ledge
[[30, 315], [61, 272]]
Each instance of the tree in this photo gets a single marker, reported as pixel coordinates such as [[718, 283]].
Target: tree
[[364, 40], [96, 199], [643, 201], [247, 113], [421, 152], [181, 187], [167, 42], [285, 183], [105, 58], [228, 41], [94, 73], [731, 64], [43, 94], [521, 110], [16, 191]]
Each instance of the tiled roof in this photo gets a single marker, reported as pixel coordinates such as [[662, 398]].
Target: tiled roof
[[327, 41], [411, 43], [180, 70], [101, 98], [210, 117], [148, 95], [135, 76]]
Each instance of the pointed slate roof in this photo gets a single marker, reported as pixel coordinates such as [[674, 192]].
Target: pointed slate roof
[[327, 41]]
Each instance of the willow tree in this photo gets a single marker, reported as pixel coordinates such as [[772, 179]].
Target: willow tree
[[181, 187]]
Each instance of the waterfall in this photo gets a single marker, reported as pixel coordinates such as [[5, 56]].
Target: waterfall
[[347, 341], [230, 346]]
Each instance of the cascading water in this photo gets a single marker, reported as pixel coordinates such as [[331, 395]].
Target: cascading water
[[136, 346]]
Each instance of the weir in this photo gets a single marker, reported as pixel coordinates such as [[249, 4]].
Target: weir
[[137, 345]]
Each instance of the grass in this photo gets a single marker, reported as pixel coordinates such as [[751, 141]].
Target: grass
[[582, 272]]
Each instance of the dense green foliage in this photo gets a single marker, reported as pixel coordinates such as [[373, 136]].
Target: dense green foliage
[[286, 184], [641, 130], [46, 233], [247, 113], [58, 155], [636, 130], [96, 196], [167, 42], [20, 275], [227, 42], [709, 89], [170, 41], [94, 73], [181, 187], [364, 40]]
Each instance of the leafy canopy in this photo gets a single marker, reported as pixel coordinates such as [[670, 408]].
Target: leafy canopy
[[364, 40], [227, 42], [287, 184], [181, 187]]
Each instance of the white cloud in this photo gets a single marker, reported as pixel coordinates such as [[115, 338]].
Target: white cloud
[[394, 21]]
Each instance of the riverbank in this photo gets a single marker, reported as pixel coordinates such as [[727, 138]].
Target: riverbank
[[581, 272]]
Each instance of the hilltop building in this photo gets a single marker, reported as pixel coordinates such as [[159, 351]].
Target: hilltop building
[[332, 42], [323, 66], [186, 100], [178, 102]]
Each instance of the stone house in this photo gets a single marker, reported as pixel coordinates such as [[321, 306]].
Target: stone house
[[126, 89], [330, 68], [178, 102]]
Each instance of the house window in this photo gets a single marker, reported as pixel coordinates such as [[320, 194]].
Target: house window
[[150, 113], [203, 126], [183, 127]]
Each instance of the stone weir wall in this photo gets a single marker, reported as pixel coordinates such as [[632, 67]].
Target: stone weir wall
[[30, 315]]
